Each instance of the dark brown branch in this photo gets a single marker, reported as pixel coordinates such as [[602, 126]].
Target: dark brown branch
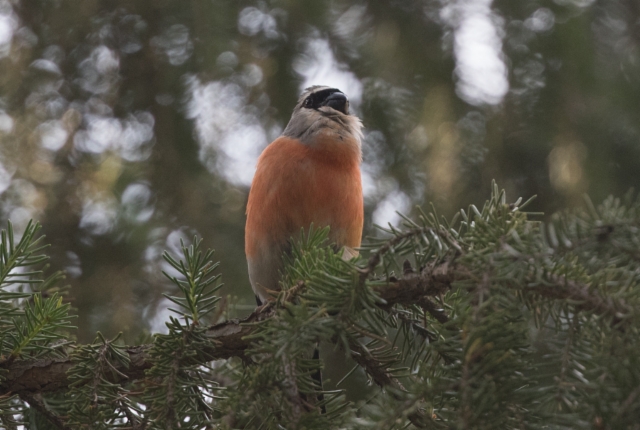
[[376, 257], [37, 404], [133, 420], [228, 339], [588, 299], [290, 388], [627, 405], [373, 367], [439, 314], [383, 378], [423, 332], [50, 374], [431, 281]]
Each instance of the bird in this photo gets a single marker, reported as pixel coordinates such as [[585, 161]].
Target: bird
[[308, 175]]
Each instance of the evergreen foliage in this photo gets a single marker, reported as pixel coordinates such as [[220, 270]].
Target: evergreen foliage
[[491, 320], [95, 402], [181, 386]]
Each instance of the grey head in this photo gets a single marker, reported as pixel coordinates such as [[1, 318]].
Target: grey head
[[322, 109]]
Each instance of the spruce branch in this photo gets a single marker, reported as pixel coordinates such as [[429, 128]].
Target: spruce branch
[[35, 401], [198, 285], [25, 253], [230, 338], [564, 387], [31, 322], [447, 334], [429, 306], [431, 281], [96, 398], [12, 409], [41, 324], [586, 297], [377, 256], [421, 331], [628, 405], [378, 372], [290, 385], [177, 381]]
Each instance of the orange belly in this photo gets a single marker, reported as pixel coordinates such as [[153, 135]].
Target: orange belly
[[296, 185]]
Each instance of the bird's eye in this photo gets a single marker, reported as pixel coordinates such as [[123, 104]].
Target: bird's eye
[[307, 102]]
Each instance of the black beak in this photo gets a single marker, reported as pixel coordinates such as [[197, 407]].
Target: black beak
[[338, 101]]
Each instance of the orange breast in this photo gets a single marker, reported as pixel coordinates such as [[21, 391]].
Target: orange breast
[[296, 185]]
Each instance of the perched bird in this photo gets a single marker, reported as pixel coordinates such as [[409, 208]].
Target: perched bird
[[310, 174]]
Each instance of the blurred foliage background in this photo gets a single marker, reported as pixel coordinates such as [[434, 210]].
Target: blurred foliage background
[[126, 125]]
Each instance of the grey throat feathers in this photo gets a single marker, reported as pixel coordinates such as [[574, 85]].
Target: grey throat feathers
[[323, 111]]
